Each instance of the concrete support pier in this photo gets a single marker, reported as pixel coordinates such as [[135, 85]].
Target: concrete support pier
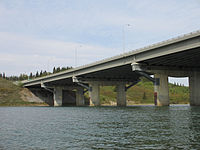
[[161, 90], [80, 97], [194, 85], [121, 94], [58, 96], [94, 94]]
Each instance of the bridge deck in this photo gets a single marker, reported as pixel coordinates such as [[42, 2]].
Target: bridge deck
[[181, 53]]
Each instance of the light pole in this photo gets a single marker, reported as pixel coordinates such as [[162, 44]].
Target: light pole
[[76, 54], [124, 44]]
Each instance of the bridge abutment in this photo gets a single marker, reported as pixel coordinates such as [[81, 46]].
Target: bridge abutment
[[161, 90], [94, 94], [58, 96], [80, 97], [121, 94], [194, 85]]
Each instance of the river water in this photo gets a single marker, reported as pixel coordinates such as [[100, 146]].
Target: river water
[[138, 127]]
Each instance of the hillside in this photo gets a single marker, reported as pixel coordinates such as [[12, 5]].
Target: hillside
[[13, 95], [142, 93]]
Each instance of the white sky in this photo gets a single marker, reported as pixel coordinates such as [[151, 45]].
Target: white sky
[[40, 34]]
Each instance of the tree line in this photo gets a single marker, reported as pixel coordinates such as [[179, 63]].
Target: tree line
[[32, 75]]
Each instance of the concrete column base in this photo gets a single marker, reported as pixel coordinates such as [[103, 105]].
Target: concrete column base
[[58, 96], [80, 97], [121, 94], [94, 94], [161, 90], [194, 85]]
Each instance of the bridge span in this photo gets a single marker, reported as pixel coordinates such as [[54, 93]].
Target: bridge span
[[177, 57]]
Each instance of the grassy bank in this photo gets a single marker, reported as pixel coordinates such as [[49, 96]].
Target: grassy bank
[[10, 95], [142, 93]]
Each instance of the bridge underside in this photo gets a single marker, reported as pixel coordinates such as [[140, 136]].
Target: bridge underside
[[180, 64], [117, 74], [188, 60], [122, 73], [176, 58]]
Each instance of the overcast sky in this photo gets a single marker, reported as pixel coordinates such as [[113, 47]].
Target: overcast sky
[[40, 34]]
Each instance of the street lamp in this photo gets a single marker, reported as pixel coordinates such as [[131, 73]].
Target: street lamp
[[124, 44]]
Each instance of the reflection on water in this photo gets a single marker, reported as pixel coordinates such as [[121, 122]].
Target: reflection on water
[[141, 127]]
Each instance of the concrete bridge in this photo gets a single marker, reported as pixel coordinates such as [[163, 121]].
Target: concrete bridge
[[177, 57]]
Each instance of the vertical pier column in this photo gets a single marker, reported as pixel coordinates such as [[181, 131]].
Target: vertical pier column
[[58, 96], [80, 97], [161, 90], [121, 94], [194, 85], [94, 94]]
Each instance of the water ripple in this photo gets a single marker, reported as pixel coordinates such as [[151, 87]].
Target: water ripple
[[41, 128]]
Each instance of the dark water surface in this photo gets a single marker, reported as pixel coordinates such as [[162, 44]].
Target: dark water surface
[[139, 127]]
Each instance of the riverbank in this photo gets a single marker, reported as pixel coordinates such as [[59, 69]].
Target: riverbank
[[140, 94], [15, 95]]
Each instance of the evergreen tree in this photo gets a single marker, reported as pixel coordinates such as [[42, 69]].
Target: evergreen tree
[[21, 77], [37, 74], [63, 69], [41, 73], [31, 75], [54, 70], [4, 75], [44, 73], [25, 77], [69, 68], [58, 70]]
